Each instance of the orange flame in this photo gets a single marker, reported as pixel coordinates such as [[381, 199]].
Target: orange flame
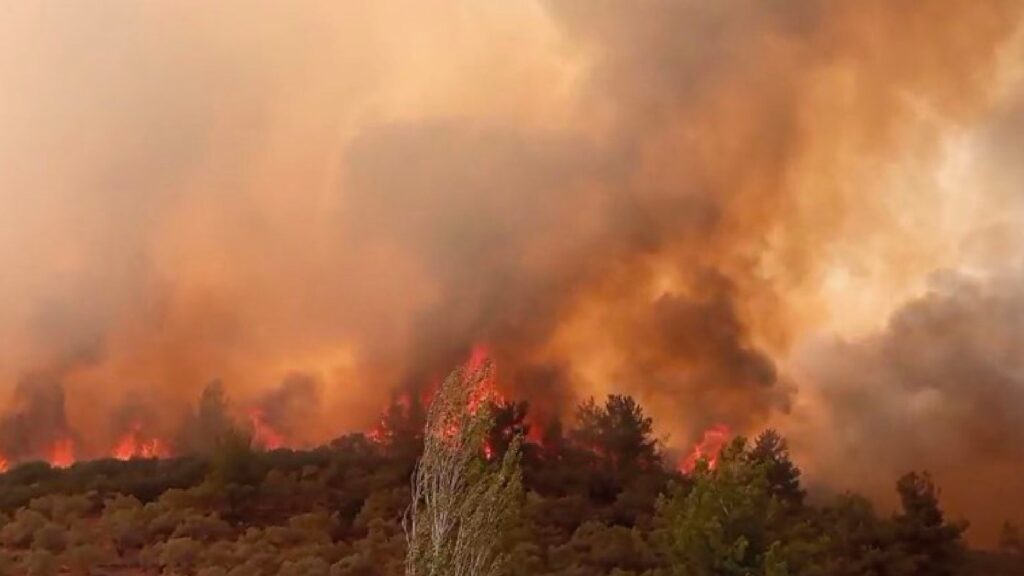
[[382, 433], [133, 445], [477, 356], [62, 453], [708, 448], [3, 464], [263, 434], [487, 391]]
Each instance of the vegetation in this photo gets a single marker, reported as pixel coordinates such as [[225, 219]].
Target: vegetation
[[462, 503], [595, 499]]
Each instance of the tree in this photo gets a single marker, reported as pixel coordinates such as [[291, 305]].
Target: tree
[[858, 542], [202, 430], [234, 470], [771, 450], [724, 524], [509, 424], [618, 431], [935, 545], [461, 502]]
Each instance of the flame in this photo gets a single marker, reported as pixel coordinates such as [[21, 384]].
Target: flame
[[487, 391], [134, 445], [263, 434], [382, 432], [477, 356], [710, 445], [62, 453], [3, 464]]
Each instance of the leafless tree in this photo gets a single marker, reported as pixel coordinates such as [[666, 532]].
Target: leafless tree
[[463, 497]]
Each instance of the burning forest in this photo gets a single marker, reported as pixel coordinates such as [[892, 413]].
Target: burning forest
[[289, 223]]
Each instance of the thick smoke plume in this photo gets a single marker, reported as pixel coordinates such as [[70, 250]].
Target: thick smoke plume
[[663, 198]]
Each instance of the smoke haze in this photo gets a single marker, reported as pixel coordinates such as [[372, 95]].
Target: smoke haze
[[744, 212]]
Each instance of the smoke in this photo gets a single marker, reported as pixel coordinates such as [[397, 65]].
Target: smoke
[[941, 385], [35, 420], [285, 411], [663, 199], [941, 388]]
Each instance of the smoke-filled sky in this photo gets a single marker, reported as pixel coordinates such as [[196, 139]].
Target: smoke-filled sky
[[806, 214]]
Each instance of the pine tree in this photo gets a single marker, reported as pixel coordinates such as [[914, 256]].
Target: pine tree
[[770, 449], [921, 527]]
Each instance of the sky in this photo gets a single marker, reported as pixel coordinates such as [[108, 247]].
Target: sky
[[803, 214]]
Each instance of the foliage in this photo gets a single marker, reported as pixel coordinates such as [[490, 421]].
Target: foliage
[[598, 501], [921, 527], [727, 523], [461, 502], [619, 432]]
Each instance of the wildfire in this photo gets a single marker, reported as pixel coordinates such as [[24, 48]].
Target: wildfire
[[477, 356], [62, 453], [708, 448], [263, 434], [3, 464], [487, 391], [134, 445]]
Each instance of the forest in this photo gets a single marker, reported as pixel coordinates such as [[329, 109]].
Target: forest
[[597, 498]]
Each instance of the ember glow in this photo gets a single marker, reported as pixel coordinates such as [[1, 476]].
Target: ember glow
[[804, 215]]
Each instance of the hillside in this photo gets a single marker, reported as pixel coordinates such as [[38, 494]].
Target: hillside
[[598, 500]]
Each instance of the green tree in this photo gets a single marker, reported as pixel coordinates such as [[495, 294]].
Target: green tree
[[461, 502], [857, 542], [618, 431], [235, 472], [724, 524], [771, 450], [921, 527]]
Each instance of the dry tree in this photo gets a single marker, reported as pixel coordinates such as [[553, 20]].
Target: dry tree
[[462, 500]]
